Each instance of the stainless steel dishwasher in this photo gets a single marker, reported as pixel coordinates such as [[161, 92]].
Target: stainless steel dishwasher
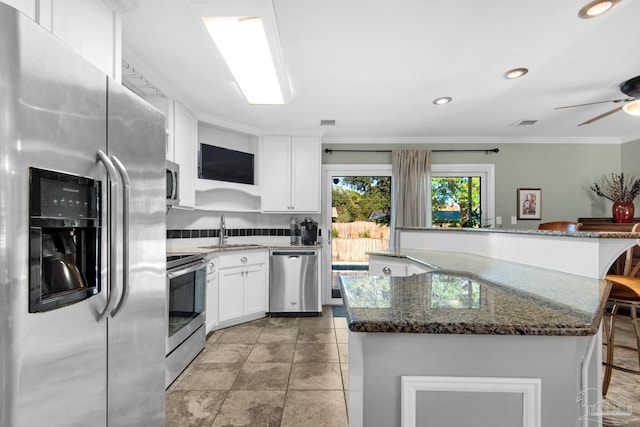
[[293, 283]]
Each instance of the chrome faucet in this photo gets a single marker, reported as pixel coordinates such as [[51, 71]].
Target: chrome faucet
[[223, 231]]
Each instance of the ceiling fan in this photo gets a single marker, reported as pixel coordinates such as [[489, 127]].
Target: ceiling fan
[[631, 105]]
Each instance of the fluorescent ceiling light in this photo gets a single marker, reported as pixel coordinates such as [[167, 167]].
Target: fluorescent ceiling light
[[246, 35], [632, 108], [242, 42]]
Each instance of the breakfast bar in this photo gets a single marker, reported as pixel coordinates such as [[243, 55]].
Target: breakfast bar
[[479, 340]]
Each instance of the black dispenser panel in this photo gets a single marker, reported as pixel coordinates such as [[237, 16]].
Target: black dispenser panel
[[64, 239], [56, 195]]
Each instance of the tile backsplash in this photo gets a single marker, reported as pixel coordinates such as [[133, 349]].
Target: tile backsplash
[[232, 232]]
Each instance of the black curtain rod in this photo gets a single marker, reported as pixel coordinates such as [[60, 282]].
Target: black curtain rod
[[491, 150]]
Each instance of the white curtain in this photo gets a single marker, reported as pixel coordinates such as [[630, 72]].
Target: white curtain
[[411, 190]]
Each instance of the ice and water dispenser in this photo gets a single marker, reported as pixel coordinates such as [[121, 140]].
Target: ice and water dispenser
[[64, 239]]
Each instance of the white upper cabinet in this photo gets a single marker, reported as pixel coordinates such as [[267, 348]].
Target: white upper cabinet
[[185, 133], [28, 7], [290, 174], [91, 27]]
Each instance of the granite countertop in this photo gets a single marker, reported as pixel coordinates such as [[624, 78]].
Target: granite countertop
[[580, 234], [230, 247], [471, 294]]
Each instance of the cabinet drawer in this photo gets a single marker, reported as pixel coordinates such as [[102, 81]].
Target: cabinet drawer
[[387, 266], [240, 258]]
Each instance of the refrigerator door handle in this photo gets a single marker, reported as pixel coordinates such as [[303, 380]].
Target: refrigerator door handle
[[126, 197], [112, 174]]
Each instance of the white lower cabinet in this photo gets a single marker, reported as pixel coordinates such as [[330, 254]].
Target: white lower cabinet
[[231, 293], [390, 266], [255, 290], [242, 287]]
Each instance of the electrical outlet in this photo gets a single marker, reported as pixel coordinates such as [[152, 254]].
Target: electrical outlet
[[514, 220], [498, 220]]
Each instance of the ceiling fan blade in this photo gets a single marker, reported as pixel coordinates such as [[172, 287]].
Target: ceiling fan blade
[[601, 116], [593, 103]]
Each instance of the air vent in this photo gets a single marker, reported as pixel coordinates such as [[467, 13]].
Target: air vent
[[524, 123], [327, 122]]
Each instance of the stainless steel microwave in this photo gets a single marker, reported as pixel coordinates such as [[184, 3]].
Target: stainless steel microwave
[[173, 177]]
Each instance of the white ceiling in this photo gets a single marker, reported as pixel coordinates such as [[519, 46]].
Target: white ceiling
[[375, 66]]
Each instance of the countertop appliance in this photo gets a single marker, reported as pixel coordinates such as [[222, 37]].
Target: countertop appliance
[[309, 231], [186, 293], [82, 240], [293, 283]]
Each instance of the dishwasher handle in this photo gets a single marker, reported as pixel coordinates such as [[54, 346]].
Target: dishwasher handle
[[293, 253]]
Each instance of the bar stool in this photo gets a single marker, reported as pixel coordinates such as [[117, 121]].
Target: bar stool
[[625, 292], [560, 226]]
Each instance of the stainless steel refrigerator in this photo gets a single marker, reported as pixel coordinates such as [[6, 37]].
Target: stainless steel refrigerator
[[82, 240]]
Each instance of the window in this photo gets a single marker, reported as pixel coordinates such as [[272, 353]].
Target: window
[[482, 176], [455, 201], [462, 195]]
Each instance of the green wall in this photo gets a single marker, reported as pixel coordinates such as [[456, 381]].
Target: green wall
[[630, 154], [564, 172]]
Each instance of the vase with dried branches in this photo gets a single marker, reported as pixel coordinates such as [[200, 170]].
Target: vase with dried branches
[[622, 191]]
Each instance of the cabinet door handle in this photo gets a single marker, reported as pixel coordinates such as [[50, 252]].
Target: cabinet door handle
[[386, 270], [243, 260]]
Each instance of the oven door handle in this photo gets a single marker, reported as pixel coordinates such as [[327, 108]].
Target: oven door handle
[[112, 257], [189, 268], [126, 197]]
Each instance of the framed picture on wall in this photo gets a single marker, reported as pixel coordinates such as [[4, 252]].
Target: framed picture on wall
[[529, 203]]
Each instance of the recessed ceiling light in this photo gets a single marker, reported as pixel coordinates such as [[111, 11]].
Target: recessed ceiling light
[[443, 100], [515, 73], [596, 8]]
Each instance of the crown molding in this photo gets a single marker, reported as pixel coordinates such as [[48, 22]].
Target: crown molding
[[473, 140]]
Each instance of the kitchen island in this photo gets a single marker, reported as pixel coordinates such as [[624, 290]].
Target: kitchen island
[[480, 340]]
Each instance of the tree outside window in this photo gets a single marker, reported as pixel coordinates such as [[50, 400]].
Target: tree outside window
[[455, 201]]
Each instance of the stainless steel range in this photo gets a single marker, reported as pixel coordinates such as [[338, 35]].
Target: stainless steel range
[[186, 290]]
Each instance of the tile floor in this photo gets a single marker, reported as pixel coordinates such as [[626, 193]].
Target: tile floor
[[270, 372], [293, 372], [625, 388]]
